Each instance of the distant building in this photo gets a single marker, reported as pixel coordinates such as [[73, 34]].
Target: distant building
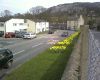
[[74, 23], [41, 26], [57, 26]]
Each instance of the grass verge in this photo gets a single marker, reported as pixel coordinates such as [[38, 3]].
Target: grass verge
[[49, 65]]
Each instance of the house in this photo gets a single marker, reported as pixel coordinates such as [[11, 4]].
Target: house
[[74, 23], [15, 24], [42, 26], [60, 26], [2, 28], [31, 26]]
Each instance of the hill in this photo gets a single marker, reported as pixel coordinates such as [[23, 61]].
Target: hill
[[62, 11]]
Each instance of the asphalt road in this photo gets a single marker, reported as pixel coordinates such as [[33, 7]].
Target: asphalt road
[[24, 50], [11, 41]]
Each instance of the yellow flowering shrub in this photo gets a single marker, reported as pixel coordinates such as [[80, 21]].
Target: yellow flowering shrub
[[62, 45], [58, 47]]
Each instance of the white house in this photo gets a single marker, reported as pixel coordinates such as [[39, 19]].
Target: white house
[[15, 24], [42, 26]]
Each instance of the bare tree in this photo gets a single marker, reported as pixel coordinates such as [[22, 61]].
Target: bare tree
[[37, 10], [2, 14], [18, 15], [7, 13]]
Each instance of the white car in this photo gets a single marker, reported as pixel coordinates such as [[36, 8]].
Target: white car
[[29, 35]]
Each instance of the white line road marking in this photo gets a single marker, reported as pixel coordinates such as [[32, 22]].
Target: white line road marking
[[19, 52], [37, 45], [24, 50]]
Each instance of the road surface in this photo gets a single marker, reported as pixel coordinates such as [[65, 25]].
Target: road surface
[[24, 50]]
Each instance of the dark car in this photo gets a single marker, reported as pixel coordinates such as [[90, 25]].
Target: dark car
[[1, 33], [50, 32], [64, 34], [6, 58], [19, 34]]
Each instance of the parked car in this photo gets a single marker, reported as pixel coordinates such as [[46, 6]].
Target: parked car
[[50, 32], [1, 33], [29, 35], [6, 58], [9, 35], [64, 34], [19, 34]]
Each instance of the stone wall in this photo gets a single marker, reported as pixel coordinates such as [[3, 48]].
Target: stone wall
[[77, 67], [72, 68]]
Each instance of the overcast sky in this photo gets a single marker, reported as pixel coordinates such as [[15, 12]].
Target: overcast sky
[[22, 6]]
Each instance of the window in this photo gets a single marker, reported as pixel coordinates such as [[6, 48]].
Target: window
[[8, 51], [23, 30], [38, 30], [1, 25], [14, 24], [25, 20], [21, 23], [28, 25], [1, 56], [1, 33], [47, 27]]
